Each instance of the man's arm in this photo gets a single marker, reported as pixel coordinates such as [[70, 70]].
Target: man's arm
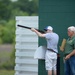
[[37, 32], [71, 54]]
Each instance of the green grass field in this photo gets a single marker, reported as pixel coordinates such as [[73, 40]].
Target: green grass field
[[6, 72]]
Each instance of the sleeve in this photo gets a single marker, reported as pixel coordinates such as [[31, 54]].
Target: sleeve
[[48, 35]]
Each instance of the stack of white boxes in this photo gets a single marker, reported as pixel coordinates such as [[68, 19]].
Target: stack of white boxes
[[26, 44]]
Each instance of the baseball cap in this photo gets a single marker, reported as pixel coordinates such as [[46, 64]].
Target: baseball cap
[[48, 27]]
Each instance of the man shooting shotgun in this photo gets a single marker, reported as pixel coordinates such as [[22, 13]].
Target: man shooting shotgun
[[30, 28], [52, 50]]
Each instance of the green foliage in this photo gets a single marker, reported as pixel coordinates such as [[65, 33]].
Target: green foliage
[[7, 32], [7, 65], [8, 11], [12, 58], [18, 12], [5, 10], [31, 6], [7, 72]]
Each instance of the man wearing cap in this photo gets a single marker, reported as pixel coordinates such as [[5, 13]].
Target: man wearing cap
[[52, 50]]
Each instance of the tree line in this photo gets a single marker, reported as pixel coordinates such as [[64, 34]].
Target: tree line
[[8, 11]]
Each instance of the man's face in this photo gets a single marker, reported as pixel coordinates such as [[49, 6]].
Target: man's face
[[70, 33], [48, 31]]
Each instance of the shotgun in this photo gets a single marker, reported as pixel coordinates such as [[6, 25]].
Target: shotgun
[[30, 28]]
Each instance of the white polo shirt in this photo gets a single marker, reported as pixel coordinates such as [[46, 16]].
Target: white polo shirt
[[52, 41]]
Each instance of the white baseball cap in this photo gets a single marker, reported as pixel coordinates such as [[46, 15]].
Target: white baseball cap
[[72, 28], [48, 27]]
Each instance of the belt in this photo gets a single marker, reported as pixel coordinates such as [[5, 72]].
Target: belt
[[52, 50]]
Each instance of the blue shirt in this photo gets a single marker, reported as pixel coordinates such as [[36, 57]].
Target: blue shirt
[[52, 41]]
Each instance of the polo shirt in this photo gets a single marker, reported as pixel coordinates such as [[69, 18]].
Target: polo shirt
[[52, 41], [70, 45]]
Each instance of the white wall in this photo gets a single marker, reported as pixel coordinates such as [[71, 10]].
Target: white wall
[[26, 44]]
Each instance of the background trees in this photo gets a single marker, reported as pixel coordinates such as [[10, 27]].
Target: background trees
[[8, 11]]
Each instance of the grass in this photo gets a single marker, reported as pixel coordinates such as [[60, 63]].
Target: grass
[[4, 54], [5, 51], [7, 72]]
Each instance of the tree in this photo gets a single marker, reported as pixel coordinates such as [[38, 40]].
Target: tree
[[7, 32], [5, 10], [30, 6]]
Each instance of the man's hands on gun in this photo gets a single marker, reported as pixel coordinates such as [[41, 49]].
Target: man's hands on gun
[[33, 29]]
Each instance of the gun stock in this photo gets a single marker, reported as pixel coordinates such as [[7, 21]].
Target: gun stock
[[30, 28]]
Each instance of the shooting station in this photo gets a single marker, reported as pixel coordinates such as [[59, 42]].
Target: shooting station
[[60, 14]]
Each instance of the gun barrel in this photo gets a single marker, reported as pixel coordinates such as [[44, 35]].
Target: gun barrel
[[30, 28], [24, 26]]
